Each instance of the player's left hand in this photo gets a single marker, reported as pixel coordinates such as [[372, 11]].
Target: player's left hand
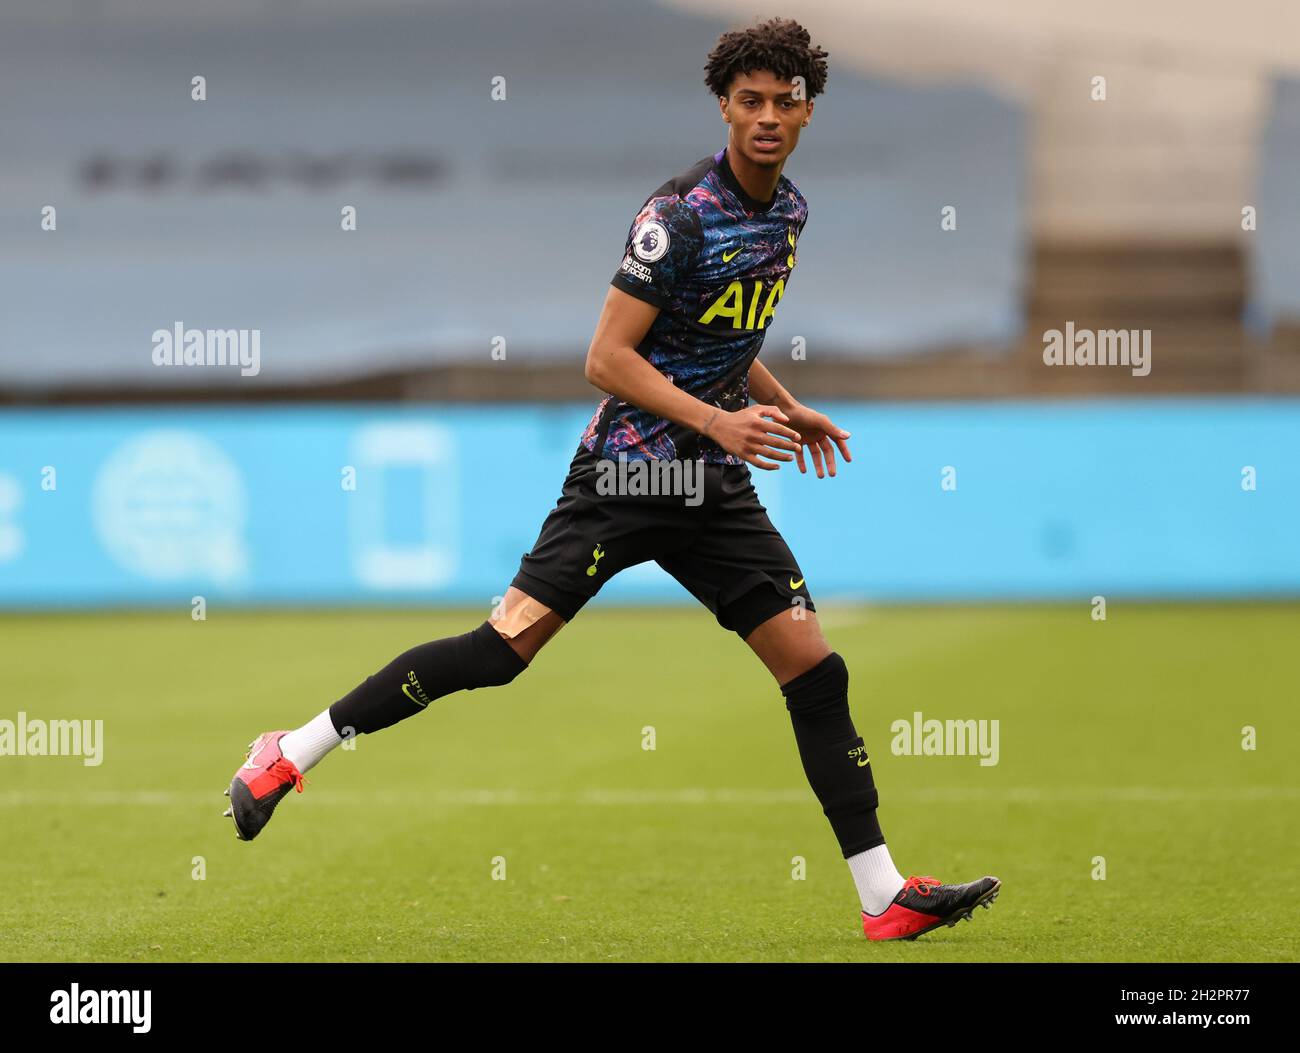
[[820, 436]]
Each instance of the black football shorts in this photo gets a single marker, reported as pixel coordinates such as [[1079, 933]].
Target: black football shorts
[[710, 533]]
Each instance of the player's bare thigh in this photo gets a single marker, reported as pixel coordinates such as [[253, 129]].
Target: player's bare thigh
[[524, 623], [788, 645]]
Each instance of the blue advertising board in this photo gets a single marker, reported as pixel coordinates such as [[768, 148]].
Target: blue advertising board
[[300, 505]]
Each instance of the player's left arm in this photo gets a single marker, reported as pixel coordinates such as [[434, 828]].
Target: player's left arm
[[816, 430]]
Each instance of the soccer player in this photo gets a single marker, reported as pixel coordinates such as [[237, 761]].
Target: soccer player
[[705, 264]]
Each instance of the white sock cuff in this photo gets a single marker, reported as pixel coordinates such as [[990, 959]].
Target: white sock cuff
[[307, 746], [876, 877]]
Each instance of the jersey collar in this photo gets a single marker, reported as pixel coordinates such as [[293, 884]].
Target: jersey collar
[[730, 181]]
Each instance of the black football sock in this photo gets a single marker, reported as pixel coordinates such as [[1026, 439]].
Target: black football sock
[[412, 680], [833, 755]]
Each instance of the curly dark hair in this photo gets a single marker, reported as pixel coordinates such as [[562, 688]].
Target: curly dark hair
[[780, 45]]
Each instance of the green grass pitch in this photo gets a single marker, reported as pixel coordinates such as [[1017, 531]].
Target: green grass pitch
[[1119, 739]]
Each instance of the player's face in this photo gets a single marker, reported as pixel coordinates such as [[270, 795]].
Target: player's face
[[765, 116]]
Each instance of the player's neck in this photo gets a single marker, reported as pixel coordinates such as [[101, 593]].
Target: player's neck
[[758, 181]]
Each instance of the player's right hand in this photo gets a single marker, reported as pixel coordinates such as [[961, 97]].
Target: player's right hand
[[755, 433]]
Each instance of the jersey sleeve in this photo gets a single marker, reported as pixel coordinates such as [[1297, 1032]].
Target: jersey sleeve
[[662, 246]]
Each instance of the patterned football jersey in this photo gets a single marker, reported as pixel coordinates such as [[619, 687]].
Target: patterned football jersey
[[716, 262]]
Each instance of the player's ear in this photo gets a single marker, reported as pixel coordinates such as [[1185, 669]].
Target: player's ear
[[808, 115], [722, 107]]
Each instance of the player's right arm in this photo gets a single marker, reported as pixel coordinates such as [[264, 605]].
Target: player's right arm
[[614, 365]]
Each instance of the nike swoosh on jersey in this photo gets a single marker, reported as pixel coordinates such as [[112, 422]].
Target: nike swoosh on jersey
[[728, 258], [795, 584]]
